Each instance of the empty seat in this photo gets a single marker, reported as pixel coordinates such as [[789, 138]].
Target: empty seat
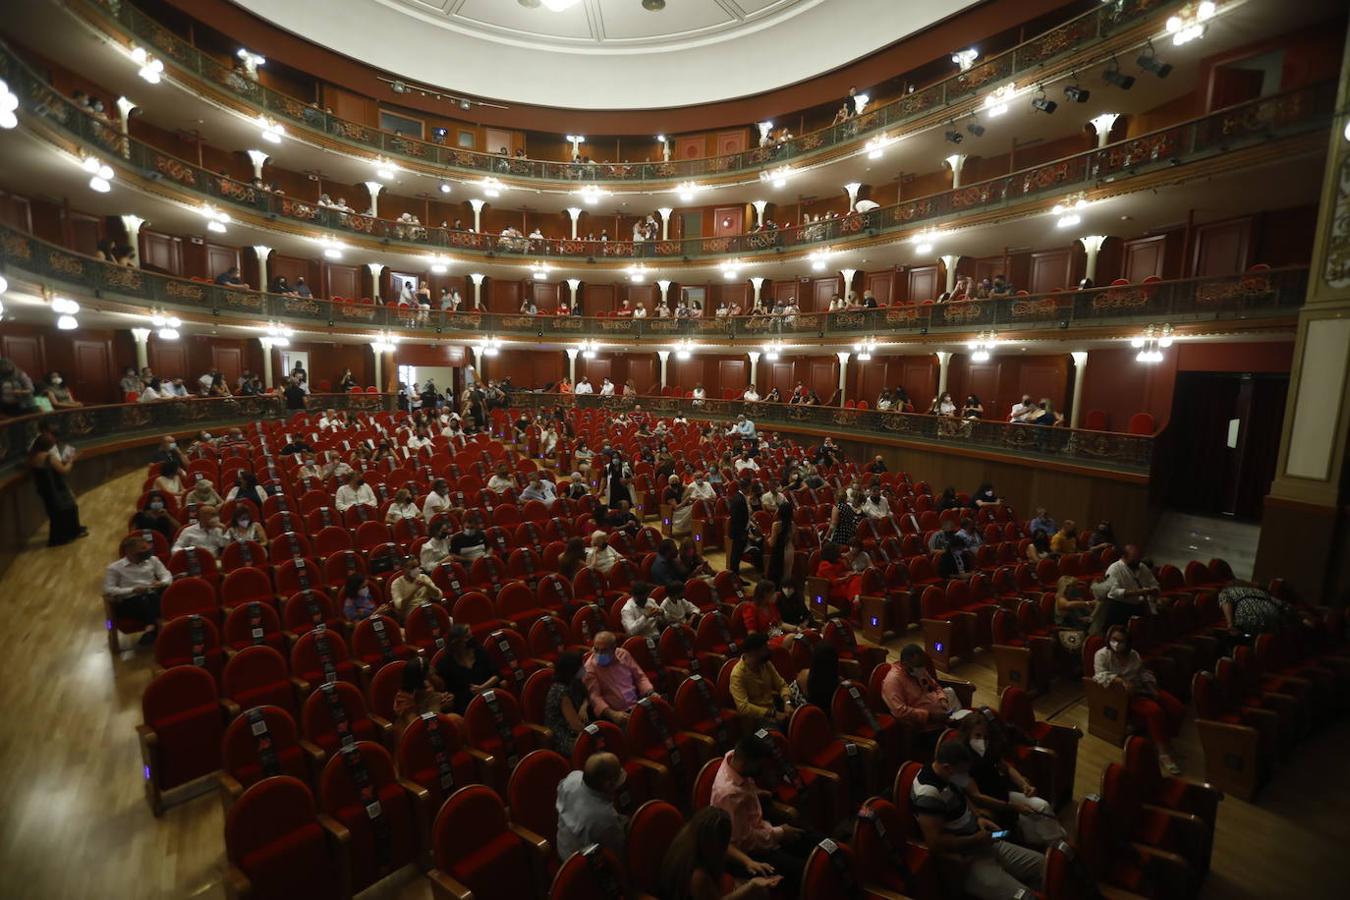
[[433, 753], [380, 813], [335, 716], [475, 848], [532, 792], [190, 640], [261, 743], [275, 847], [181, 730]]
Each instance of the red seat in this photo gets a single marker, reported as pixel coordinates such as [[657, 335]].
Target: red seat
[[361, 775], [855, 720], [196, 562], [251, 625], [697, 710], [886, 857], [519, 605], [335, 716], [320, 657], [1114, 861], [275, 846], [377, 641], [587, 874], [1167, 830], [262, 743], [650, 832], [299, 574], [426, 627], [475, 610], [532, 792], [1141, 423], [654, 733], [475, 848], [257, 676], [242, 553], [304, 611], [181, 732], [190, 640], [495, 726], [246, 584], [432, 753], [288, 545], [188, 596], [646, 779]]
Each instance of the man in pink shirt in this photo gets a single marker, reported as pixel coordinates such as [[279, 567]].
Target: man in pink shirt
[[614, 679], [759, 848], [914, 696]]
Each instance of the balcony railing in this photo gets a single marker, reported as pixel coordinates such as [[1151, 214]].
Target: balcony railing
[[1283, 115], [1106, 450], [88, 426], [1089, 29], [1257, 294], [1253, 295]]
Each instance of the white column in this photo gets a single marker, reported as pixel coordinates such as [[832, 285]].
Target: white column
[[258, 158], [759, 206], [944, 358], [379, 360], [142, 338], [124, 108], [576, 140], [477, 205], [375, 269], [1080, 358], [848, 281], [573, 211], [664, 286], [956, 161], [950, 261], [262, 251], [572, 364], [754, 365], [1092, 245], [843, 375], [477, 279], [852, 189], [1103, 125], [664, 356], [478, 361], [133, 223], [267, 361], [665, 212], [572, 285], [374, 187], [757, 282]]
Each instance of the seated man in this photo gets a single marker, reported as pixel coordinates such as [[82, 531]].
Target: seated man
[[640, 614], [1065, 540], [412, 588], [538, 489], [993, 868], [501, 480], [585, 805], [134, 582], [205, 532], [675, 608], [759, 692], [470, 543], [613, 679], [355, 492], [758, 847], [915, 698]]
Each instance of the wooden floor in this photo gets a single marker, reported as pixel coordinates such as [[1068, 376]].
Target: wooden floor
[[74, 822]]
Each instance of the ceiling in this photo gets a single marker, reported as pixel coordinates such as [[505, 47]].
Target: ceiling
[[605, 54]]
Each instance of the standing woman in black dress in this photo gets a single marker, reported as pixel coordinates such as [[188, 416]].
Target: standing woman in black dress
[[49, 469]]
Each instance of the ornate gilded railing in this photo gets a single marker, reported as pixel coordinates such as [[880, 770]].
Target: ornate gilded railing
[[88, 426], [1256, 122], [1257, 294], [1131, 453], [1089, 29]]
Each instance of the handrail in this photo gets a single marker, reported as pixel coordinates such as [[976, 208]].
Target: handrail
[[1107, 450], [1097, 24], [1293, 112], [1255, 294], [121, 421]]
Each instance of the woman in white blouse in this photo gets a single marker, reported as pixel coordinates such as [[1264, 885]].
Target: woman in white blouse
[[1157, 711], [403, 507]]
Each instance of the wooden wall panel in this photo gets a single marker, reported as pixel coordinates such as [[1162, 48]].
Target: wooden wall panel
[[15, 211], [728, 220], [85, 233], [1221, 247], [729, 142], [545, 295], [168, 359], [292, 268], [732, 375], [342, 281], [1143, 257], [879, 283], [229, 361], [597, 298], [645, 373], [988, 267], [26, 351], [823, 290], [220, 258], [92, 374], [924, 283], [777, 375], [690, 146], [918, 376], [161, 252], [823, 378], [503, 296], [1049, 271]]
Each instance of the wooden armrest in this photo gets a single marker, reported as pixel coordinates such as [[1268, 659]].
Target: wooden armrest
[[965, 690], [1154, 853], [230, 789], [315, 753], [335, 829], [832, 777], [418, 793], [301, 686], [1189, 818], [237, 884], [229, 709], [655, 767], [539, 844], [545, 734], [443, 887]]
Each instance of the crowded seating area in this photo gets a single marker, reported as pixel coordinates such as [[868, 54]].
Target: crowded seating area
[[394, 642]]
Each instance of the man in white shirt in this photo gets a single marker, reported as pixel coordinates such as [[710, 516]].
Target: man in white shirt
[[437, 501], [134, 582], [641, 615], [1128, 586], [674, 608], [501, 480], [1020, 408], [436, 549], [746, 462], [773, 498], [744, 429], [607, 388], [602, 556], [751, 395], [583, 386], [175, 388], [585, 805], [329, 421], [876, 506], [539, 489], [205, 532], [699, 395], [353, 492]]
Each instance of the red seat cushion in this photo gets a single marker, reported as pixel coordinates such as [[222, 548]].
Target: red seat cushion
[[294, 865], [498, 870], [189, 741], [402, 841], [290, 760]]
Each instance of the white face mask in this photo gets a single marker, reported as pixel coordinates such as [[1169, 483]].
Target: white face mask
[[56, 379], [1117, 646], [978, 745]]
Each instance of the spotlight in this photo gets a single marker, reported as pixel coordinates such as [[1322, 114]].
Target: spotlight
[[955, 136], [976, 129], [1043, 103], [445, 187], [1116, 78], [1077, 94], [1149, 62]]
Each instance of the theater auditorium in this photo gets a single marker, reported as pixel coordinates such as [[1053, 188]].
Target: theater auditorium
[[674, 449]]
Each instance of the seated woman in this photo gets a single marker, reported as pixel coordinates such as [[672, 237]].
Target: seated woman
[[762, 615], [203, 493], [403, 507], [1157, 711], [818, 683], [682, 519], [58, 392], [243, 528], [358, 599], [416, 695], [838, 570], [154, 515], [973, 408], [567, 708], [1073, 613], [573, 558], [692, 562], [998, 789], [694, 863], [464, 669], [1039, 548]]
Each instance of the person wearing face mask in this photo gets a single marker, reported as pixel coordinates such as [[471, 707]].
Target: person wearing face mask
[[602, 557], [403, 507], [464, 669], [875, 506], [1073, 613], [915, 698], [539, 489], [501, 480], [133, 584], [1152, 708], [641, 615], [682, 518], [844, 518], [203, 493], [411, 588], [438, 500], [757, 690], [762, 615], [58, 392], [169, 450], [991, 868], [205, 532], [955, 561], [155, 516], [436, 549], [358, 599], [243, 528], [585, 805], [130, 383], [170, 479], [354, 492], [1130, 588], [471, 542], [614, 680], [675, 609], [998, 788]]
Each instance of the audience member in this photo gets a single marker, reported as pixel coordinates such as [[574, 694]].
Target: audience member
[[614, 680], [133, 585], [1156, 710], [585, 805]]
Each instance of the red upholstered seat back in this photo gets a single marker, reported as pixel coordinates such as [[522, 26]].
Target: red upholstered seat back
[[317, 721], [240, 752], [258, 675], [532, 792], [650, 833], [341, 798], [417, 757], [580, 878], [180, 706], [472, 843], [272, 835]]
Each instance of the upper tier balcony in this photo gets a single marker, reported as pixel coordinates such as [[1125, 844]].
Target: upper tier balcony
[[1078, 43]]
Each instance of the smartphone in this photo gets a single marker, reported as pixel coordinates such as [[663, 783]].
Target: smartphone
[[998, 835]]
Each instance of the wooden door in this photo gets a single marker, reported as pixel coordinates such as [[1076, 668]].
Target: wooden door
[[220, 259], [545, 296], [1049, 271], [1221, 248], [85, 233], [92, 378], [779, 376], [732, 375], [879, 283], [1143, 258], [728, 220], [824, 380], [168, 359], [27, 353], [644, 374], [161, 252], [229, 361], [824, 290], [923, 284], [344, 281]]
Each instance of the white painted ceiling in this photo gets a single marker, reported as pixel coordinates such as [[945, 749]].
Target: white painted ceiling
[[605, 54]]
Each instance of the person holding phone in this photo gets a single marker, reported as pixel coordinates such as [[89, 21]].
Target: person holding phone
[[992, 868]]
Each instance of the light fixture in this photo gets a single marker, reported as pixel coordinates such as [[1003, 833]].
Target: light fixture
[[4, 285], [778, 177], [9, 102], [490, 347], [996, 101], [924, 240], [637, 273], [251, 60], [687, 190], [271, 130], [445, 187], [560, 5], [591, 194], [955, 136], [1077, 93], [982, 347], [1149, 62], [279, 334], [539, 271], [1042, 103], [331, 249], [684, 349], [151, 68], [384, 342], [966, 58], [877, 146], [1068, 212], [160, 320], [819, 259], [384, 169], [1116, 78], [1152, 343], [772, 350], [863, 351], [215, 219], [491, 187], [64, 307], [731, 269], [576, 138], [168, 334], [100, 175], [67, 323], [439, 265], [1189, 24], [975, 128], [590, 348]]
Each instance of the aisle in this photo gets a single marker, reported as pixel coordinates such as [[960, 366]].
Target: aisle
[[76, 825]]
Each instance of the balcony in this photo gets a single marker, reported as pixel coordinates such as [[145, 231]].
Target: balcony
[[1180, 150], [1091, 33], [1261, 294]]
